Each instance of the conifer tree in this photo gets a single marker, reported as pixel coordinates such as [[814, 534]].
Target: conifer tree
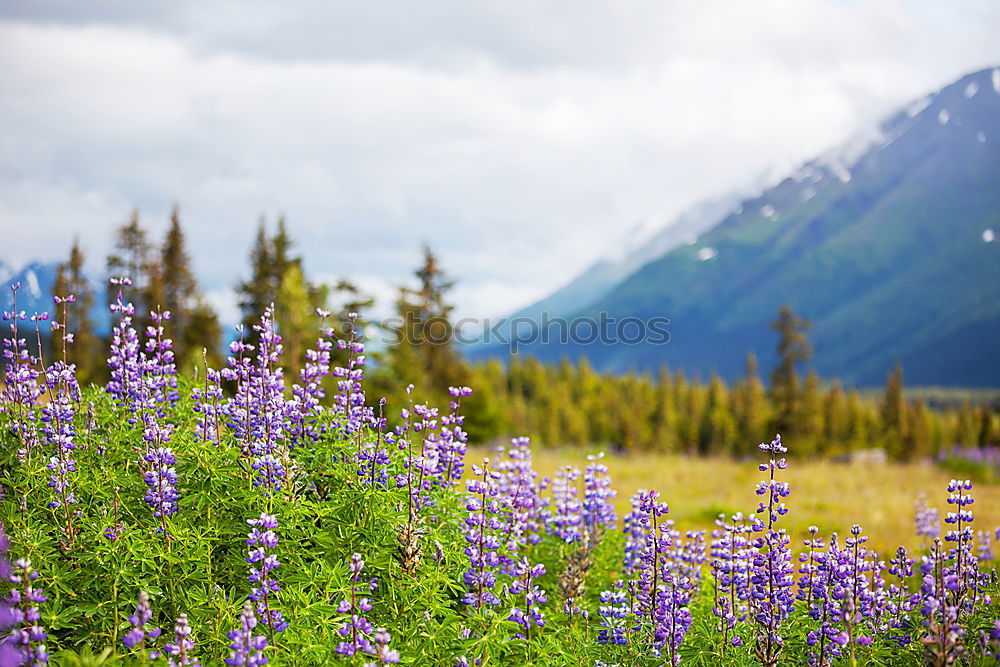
[[893, 413], [86, 350], [752, 412], [179, 289], [423, 350], [793, 348], [257, 292]]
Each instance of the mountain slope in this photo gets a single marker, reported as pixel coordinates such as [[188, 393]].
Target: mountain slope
[[881, 244]]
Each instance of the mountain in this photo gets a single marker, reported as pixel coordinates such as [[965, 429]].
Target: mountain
[[37, 282], [886, 244], [640, 248]]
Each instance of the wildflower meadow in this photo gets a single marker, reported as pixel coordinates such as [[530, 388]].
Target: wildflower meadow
[[242, 516]]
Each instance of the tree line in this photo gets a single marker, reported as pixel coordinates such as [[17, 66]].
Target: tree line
[[564, 404]]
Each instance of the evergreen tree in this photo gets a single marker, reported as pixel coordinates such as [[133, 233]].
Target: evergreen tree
[[131, 258], [296, 319], [179, 289], [85, 351], [893, 412], [808, 424], [751, 409], [793, 348], [423, 351], [258, 291]]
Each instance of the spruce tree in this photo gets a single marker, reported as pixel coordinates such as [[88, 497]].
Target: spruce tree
[[793, 348], [893, 413], [85, 351], [179, 289]]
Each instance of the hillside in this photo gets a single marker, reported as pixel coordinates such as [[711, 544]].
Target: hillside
[[885, 244]]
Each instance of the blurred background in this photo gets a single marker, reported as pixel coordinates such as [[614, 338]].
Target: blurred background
[[809, 192]]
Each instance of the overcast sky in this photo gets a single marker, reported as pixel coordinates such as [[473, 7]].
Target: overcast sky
[[522, 140]]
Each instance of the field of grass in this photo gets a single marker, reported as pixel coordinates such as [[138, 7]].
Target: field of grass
[[831, 496]]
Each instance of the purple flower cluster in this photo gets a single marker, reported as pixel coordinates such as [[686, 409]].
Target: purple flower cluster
[[598, 510], [564, 518], [771, 580], [374, 459], [961, 536], [453, 439], [257, 413], [124, 362], [614, 613], [27, 637], [482, 528], [518, 491], [730, 575], [21, 390], [178, 651], [263, 539], [304, 419], [160, 476], [528, 614], [926, 519], [141, 628], [361, 638], [158, 369], [208, 406], [247, 646], [349, 403]]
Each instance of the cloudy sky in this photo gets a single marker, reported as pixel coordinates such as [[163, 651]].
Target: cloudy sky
[[522, 140]]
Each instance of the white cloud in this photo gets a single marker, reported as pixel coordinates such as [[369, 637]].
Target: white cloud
[[520, 141]]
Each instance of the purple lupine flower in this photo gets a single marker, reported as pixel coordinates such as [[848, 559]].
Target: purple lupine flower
[[900, 600], [141, 629], [207, 404], [481, 529], [124, 361], [27, 637], [453, 439], [672, 615], [257, 413], [428, 463], [178, 651], [724, 578], [564, 519], [263, 539], [614, 613], [771, 582], [21, 389], [993, 638], [598, 509], [939, 585], [984, 551], [8, 652], [349, 403], [160, 476], [58, 413], [636, 536], [965, 565], [524, 583], [374, 458], [926, 518], [518, 489], [361, 638], [304, 419], [158, 368], [692, 557], [247, 647], [826, 639]]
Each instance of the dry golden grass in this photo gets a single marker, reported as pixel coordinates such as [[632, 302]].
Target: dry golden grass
[[832, 496]]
